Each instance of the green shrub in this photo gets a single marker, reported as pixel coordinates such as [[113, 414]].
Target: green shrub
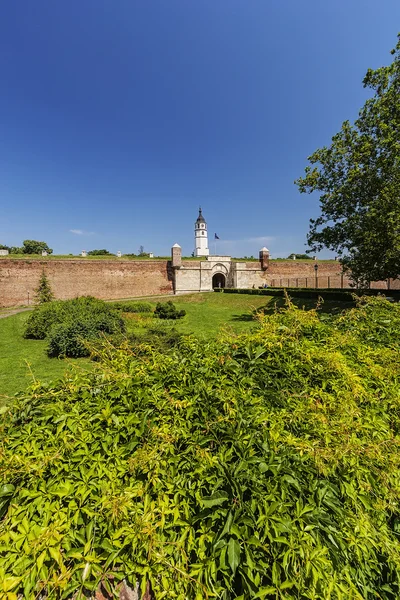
[[68, 339], [133, 307], [265, 465], [42, 318], [84, 317], [168, 310]]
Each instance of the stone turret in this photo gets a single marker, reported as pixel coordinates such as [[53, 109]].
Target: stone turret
[[176, 256], [264, 258]]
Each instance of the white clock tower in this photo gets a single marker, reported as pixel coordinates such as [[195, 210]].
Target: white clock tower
[[200, 236]]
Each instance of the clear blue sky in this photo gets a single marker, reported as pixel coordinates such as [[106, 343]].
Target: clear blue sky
[[119, 117]]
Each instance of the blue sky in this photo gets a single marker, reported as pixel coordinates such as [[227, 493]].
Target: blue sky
[[119, 117]]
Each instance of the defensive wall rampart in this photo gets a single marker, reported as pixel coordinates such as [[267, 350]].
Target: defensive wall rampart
[[106, 279], [118, 278]]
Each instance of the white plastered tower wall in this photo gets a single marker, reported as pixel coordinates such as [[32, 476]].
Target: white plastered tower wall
[[213, 271], [201, 236]]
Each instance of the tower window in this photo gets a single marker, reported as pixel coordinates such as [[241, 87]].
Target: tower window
[[202, 233]]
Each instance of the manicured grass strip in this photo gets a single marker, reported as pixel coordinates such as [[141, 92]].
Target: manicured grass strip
[[23, 360]]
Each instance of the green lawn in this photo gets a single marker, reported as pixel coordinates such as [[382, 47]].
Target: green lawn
[[23, 360], [209, 313], [206, 315]]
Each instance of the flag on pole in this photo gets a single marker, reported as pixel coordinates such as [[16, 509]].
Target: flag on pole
[[216, 237]]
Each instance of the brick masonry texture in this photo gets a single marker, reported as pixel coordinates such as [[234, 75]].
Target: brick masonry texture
[[302, 274], [116, 279], [109, 280]]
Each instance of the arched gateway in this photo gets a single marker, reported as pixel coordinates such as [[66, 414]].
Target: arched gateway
[[219, 280]]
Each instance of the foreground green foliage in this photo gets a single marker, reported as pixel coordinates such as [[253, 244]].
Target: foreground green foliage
[[69, 324], [357, 179], [264, 465]]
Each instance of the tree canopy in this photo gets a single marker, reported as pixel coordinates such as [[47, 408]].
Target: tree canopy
[[358, 179], [35, 247], [101, 252], [299, 256]]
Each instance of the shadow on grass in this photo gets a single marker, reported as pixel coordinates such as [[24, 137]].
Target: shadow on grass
[[327, 307], [245, 317]]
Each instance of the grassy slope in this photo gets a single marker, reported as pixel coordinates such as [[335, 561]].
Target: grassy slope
[[16, 353]]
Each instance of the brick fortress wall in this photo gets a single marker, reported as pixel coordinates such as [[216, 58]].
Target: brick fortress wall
[[106, 279], [299, 273], [116, 279]]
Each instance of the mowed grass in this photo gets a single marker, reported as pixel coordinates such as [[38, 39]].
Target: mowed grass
[[22, 361], [209, 313]]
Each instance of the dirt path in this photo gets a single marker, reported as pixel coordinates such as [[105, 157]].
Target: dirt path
[[12, 311]]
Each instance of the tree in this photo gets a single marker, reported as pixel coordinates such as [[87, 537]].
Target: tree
[[43, 293], [35, 247], [358, 178], [299, 256], [102, 252]]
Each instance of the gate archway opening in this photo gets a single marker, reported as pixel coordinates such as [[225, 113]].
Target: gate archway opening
[[218, 280]]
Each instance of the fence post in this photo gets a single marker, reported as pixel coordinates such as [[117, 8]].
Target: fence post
[[306, 282], [388, 284], [329, 282], [288, 282], [341, 280], [281, 283], [297, 282]]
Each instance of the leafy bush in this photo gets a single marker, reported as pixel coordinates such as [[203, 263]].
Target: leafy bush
[[265, 465], [68, 339], [65, 323], [133, 307], [42, 319], [168, 310]]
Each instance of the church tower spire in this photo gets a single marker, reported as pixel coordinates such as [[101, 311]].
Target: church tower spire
[[200, 236]]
